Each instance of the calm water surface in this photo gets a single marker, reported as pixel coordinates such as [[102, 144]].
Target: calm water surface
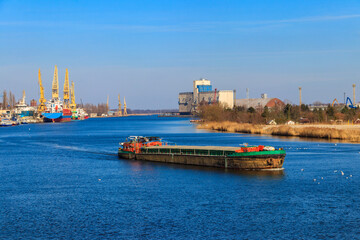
[[65, 181]]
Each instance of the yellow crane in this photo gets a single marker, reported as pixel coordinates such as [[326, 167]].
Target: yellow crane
[[72, 100], [42, 100], [119, 111], [125, 111], [335, 100], [55, 85], [66, 91]]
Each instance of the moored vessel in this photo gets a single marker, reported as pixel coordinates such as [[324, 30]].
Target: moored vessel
[[57, 110], [5, 123], [63, 116], [244, 158]]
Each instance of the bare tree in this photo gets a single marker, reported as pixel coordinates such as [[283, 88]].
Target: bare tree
[[5, 100], [11, 100]]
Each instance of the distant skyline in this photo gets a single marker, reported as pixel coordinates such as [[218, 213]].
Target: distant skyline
[[149, 51]]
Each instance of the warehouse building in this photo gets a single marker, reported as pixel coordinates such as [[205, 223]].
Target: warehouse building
[[257, 103], [204, 94]]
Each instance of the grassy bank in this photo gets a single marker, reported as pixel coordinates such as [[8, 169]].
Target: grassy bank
[[349, 133]]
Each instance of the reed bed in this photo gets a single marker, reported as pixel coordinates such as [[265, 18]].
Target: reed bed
[[351, 134]]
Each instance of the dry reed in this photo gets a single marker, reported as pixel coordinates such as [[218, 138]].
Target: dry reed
[[348, 134]]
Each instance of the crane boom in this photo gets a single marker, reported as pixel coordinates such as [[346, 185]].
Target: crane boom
[[66, 90], [125, 110], [72, 102], [42, 100], [119, 110], [55, 85]]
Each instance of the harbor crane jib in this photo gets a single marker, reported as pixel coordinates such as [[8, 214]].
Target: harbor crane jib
[[55, 85], [125, 109], [42, 100], [66, 90], [72, 97]]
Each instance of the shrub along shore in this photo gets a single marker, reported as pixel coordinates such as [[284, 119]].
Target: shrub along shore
[[319, 123], [350, 133]]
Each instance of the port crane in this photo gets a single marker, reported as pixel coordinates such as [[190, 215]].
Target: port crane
[[125, 110], [55, 85], [66, 90], [42, 100], [72, 99], [350, 105], [120, 113]]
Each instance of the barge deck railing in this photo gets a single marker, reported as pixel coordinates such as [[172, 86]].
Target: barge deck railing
[[187, 151]]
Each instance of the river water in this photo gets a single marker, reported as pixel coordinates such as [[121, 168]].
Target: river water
[[65, 181]]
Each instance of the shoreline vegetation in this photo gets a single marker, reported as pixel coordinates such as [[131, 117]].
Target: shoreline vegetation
[[350, 133], [333, 123]]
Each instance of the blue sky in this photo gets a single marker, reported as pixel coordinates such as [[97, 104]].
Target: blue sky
[[149, 51]]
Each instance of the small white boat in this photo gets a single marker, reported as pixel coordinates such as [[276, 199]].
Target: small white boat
[[5, 123]]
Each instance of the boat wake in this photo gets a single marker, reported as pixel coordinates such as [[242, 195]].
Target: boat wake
[[76, 149], [272, 169]]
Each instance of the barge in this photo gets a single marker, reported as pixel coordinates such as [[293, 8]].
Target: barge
[[242, 158]]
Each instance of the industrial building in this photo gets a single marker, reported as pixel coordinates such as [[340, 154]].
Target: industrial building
[[204, 94], [257, 103]]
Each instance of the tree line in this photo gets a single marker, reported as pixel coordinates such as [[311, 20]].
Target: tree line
[[281, 115], [8, 101]]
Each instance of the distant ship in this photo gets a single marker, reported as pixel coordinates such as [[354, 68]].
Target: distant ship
[[56, 110], [64, 116], [56, 113]]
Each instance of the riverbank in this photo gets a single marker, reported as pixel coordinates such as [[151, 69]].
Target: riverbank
[[350, 133]]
